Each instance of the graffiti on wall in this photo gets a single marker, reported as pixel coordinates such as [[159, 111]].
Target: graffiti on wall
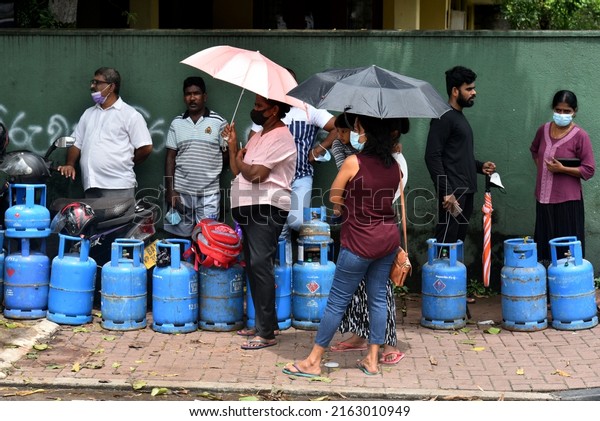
[[36, 137]]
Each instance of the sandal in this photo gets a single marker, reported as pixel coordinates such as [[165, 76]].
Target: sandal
[[259, 343], [396, 357], [252, 332], [345, 347], [361, 366]]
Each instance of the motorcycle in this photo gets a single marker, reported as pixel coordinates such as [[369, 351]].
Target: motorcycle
[[101, 220]]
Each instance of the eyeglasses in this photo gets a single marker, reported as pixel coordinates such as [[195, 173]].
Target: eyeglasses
[[99, 82]]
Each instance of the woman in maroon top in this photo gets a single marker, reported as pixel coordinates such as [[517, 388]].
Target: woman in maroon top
[[563, 154], [362, 193]]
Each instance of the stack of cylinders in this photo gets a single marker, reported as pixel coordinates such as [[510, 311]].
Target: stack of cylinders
[[523, 287], [444, 286], [283, 291], [72, 282], [124, 287], [571, 287], [221, 298], [174, 291], [26, 267]]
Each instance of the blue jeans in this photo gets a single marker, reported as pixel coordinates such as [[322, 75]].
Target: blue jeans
[[349, 271], [301, 197]]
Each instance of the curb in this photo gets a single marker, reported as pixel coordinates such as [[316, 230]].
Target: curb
[[24, 342], [355, 393]]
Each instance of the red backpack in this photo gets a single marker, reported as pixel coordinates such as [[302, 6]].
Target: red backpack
[[214, 244]]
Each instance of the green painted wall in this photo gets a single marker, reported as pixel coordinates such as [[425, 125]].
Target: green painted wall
[[44, 85]]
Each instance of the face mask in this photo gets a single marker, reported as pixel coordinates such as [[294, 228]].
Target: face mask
[[354, 137], [98, 98], [172, 217], [562, 120], [258, 117], [323, 158]]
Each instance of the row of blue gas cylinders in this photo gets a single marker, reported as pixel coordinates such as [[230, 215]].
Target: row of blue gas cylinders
[[181, 302], [570, 283]]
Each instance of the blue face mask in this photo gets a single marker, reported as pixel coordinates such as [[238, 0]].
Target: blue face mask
[[562, 120], [354, 141]]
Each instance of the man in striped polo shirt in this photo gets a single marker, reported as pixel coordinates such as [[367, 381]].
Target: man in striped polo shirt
[[194, 161]]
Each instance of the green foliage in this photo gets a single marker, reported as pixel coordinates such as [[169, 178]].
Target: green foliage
[[36, 14], [597, 283], [552, 14], [475, 288]]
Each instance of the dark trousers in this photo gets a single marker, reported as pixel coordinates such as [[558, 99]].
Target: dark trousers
[[450, 229], [261, 226]]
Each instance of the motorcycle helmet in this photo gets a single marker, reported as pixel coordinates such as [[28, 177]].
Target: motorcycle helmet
[[76, 219], [25, 167]]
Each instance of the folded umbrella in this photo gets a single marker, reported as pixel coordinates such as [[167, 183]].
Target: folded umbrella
[[371, 91]]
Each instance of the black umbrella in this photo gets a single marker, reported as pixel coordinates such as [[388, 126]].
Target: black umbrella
[[371, 91]]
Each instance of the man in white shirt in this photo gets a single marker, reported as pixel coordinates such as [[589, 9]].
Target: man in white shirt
[[110, 138]]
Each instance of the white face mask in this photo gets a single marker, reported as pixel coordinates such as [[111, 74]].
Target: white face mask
[[323, 158], [562, 120], [354, 141]]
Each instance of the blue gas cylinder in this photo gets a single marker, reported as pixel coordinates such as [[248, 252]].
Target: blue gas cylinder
[[124, 287], [72, 284], [571, 287], [312, 277], [26, 280], [2, 257], [444, 287], [28, 217], [174, 290], [283, 292], [523, 287], [221, 298], [314, 228]]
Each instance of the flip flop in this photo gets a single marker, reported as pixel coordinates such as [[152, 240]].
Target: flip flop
[[397, 357], [252, 332], [298, 372], [259, 343], [361, 367], [345, 347]]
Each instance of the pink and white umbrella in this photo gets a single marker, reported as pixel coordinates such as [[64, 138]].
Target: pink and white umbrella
[[247, 69]]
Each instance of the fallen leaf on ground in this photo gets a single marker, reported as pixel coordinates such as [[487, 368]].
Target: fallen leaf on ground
[[432, 360], [30, 392], [159, 391], [116, 365], [76, 367], [478, 348], [80, 330], [40, 347], [137, 385], [520, 371], [465, 330], [210, 396], [98, 351], [321, 398], [561, 373], [493, 330], [109, 338], [249, 398], [468, 342], [320, 379]]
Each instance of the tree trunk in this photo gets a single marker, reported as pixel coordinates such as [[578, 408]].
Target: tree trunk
[[64, 11]]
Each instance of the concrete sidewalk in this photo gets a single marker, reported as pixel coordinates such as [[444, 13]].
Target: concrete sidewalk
[[466, 364]]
